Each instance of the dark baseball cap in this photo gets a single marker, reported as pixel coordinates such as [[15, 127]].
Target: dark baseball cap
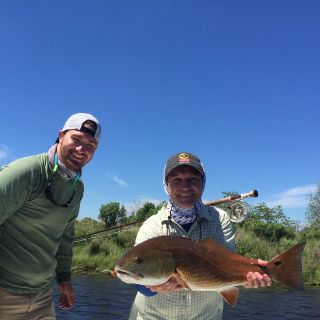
[[183, 159]]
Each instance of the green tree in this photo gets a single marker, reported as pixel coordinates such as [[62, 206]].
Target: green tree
[[112, 214], [313, 210], [87, 225], [146, 211], [263, 213], [270, 223]]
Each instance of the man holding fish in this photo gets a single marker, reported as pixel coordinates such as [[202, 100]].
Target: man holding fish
[[185, 215]]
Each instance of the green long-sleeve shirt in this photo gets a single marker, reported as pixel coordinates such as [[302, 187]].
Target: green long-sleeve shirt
[[35, 234]]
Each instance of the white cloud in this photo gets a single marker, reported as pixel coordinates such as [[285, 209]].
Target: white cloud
[[292, 198], [118, 180], [4, 150]]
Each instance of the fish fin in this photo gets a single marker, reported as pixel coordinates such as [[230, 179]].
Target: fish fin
[[287, 267], [230, 295], [182, 283]]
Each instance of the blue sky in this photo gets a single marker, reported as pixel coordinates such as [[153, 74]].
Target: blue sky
[[235, 82]]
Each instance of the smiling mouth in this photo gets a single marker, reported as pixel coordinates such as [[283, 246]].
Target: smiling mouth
[[184, 196], [75, 156]]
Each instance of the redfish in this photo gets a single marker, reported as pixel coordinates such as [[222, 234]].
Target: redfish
[[203, 265]]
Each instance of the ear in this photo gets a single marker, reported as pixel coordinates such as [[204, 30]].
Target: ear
[[61, 135]]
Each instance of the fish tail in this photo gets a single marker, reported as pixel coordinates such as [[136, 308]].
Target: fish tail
[[287, 267]]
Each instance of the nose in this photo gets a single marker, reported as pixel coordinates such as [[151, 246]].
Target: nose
[[185, 184], [81, 148]]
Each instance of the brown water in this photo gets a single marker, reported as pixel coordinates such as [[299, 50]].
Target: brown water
[[100, 297]]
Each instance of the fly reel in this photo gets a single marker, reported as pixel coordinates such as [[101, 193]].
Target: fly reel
[[237, 209]]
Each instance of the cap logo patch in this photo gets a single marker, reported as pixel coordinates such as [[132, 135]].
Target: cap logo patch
[[184, 158]]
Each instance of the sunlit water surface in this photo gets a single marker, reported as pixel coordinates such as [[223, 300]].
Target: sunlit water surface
[[100, 297]]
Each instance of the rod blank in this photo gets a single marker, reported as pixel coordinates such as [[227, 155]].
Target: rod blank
[[253, 193]]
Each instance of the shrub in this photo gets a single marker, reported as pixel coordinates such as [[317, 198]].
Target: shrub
[[94, 248], [271, 231], [309, 233]]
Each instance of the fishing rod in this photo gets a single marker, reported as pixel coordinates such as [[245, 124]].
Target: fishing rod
[[237, 210], [118, 227], [253, 193]]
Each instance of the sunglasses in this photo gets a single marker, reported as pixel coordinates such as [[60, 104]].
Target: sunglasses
[[49, 196]]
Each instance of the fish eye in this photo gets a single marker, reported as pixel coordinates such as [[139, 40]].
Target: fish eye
[[138, 260]]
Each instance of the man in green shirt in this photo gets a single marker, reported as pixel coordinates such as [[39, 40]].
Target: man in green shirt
[[39, 202]]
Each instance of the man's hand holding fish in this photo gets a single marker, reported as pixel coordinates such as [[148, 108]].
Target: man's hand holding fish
[[256, 279]]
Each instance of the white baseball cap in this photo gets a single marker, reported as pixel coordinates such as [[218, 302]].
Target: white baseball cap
[[75, 122]]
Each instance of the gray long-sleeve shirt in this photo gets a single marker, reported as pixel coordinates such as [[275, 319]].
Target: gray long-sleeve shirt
[[212, 223]]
